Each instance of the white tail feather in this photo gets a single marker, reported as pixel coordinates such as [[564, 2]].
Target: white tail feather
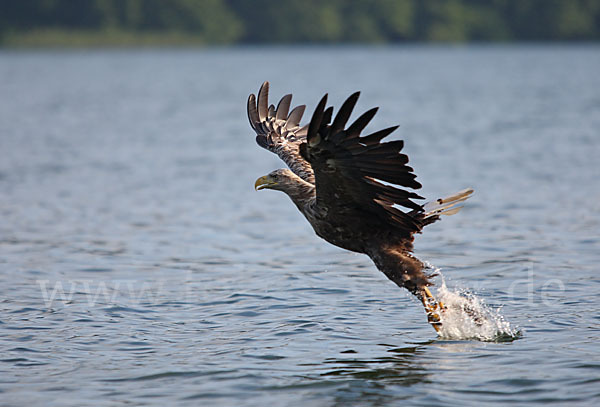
[[447, 205]]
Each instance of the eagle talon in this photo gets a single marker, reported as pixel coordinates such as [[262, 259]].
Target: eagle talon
[[433, 308]]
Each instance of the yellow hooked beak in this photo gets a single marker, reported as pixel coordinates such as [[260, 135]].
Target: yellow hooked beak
[[264, 182]]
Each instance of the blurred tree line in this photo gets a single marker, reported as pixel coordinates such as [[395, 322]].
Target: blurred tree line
[[299, 21]]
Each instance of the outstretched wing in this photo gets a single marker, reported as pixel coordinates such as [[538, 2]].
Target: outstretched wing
[[361, 173], [278, 131]]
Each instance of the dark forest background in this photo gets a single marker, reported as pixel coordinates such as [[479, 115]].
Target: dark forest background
[[158, 22]]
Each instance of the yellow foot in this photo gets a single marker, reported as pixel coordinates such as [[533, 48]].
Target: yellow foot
[[433, 308]]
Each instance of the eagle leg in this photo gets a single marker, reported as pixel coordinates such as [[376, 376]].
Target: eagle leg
[[433, 308]]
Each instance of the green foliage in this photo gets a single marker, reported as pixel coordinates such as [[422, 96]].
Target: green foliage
[[295, 21]]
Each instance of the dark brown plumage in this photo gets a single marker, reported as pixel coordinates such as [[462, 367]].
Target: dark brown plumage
[[348, 186]]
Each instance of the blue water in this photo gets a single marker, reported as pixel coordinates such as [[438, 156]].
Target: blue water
[[138, 266]]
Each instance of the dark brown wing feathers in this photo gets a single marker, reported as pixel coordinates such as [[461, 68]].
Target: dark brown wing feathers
[[363, 170], [278, 131], [347, 168]]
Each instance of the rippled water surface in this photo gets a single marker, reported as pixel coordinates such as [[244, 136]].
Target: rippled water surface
[[138, 266]]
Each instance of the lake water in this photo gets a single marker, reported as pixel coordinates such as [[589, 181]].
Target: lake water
[[138, 266]]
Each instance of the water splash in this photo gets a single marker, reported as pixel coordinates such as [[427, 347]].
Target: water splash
[[469, 317]]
